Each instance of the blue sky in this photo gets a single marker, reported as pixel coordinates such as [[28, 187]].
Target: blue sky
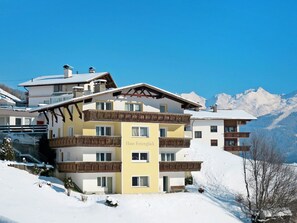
[[204, 46]]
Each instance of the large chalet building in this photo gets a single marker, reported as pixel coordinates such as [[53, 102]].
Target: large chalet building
[[122, 140]]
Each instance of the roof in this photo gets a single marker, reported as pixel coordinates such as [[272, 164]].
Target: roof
[[5, 94], [115, 91], [221, 115], [76, 78]]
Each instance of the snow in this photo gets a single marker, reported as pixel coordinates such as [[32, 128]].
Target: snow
[[221, 176], [220, 114], [194, 97], [60, 79]]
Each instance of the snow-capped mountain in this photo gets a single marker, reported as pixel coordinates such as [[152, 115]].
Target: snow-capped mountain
[[277, 114], [194, 97]]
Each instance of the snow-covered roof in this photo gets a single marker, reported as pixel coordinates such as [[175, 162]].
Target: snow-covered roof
[[60, 79], [5, 94], [277, 212], [79, 99], [221, 114]]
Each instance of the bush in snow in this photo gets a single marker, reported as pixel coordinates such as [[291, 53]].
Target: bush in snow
[[84, 198], [6, 151], [111, 202], [68, 184]]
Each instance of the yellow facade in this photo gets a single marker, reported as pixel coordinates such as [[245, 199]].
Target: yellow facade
[[130, 144], [131, 168]]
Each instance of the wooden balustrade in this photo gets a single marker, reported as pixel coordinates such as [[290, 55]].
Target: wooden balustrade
[[128, 116], [179, 166], [236, 148], [174, 142], [88, 141], [237, 134], [90, 167]]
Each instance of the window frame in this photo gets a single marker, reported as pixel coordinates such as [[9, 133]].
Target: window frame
[[139, 181], [198, 136], [213, 128], [104, 105], [105, 155], [58, 88], [165, 108], [165, 156], [130, 105], [214, 142], [165, 130], [104, 127], [139, 131], [70, 131], [138, 155], [103, 181]]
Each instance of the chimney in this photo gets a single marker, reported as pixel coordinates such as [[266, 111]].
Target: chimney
[[67, 71], [214, 108], [99, 85], [77, 91], [92, 69]]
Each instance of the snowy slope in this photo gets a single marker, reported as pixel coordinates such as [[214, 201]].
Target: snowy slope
[[20, 194], [194, 97]]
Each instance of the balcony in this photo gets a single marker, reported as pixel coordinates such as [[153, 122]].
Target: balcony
[[88, 141], [90, 167], [127, 116], [237, 134], [236, 148], [179, 166], [174, 142]]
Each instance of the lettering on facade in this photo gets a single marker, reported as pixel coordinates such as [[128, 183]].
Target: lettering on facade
[[136, 143]]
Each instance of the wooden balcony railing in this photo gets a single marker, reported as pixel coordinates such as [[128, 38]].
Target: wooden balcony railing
[[127, 116], [174, 142], [88, 141], [237, 134], [236, 148], [179, 166], [90, 167]]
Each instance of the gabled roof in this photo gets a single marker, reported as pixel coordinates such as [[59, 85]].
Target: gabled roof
[[5, 94], [156, 93], [75, 79], [220, 115]]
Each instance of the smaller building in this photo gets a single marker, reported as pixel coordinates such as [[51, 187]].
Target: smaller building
[[220, 128]]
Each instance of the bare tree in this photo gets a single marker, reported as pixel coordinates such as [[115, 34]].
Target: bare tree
[[271, 185]]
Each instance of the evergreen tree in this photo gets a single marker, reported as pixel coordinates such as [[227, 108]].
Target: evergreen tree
[[6, 152], [69, 185]]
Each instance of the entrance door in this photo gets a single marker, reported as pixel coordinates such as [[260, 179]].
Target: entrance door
[[109, 185], [165, 184]]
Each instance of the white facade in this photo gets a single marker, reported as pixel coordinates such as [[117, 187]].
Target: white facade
[[204, 126]]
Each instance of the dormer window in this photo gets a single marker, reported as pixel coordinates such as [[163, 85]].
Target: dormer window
[[104, 105], [133, 107], [58, 88]]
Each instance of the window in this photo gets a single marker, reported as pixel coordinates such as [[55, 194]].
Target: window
[[230, 129], [140, 157], [133, 107], [140, 131], [163, 108], [104, 105], [103, 130], [101, 181], [27, 121], [101, 157], [140, 182], [213, 128], [230, 142], [198, 134], [70, 131], [18, 121], [58, 88], [163, 132], [167, 157], [214, 142]]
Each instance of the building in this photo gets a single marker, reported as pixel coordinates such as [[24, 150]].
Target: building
[[220, 128], [55, 88], [125, 140]]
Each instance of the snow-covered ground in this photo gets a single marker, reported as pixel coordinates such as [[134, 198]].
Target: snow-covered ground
[[22, 200]]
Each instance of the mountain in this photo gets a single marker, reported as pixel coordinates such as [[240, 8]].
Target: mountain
[[277, 114], [194, 97]]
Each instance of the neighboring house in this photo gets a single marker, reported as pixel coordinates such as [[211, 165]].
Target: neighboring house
[[55, 88], [125, 140], [220, 128]]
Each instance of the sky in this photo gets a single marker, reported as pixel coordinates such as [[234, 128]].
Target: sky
[[209, 47]]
